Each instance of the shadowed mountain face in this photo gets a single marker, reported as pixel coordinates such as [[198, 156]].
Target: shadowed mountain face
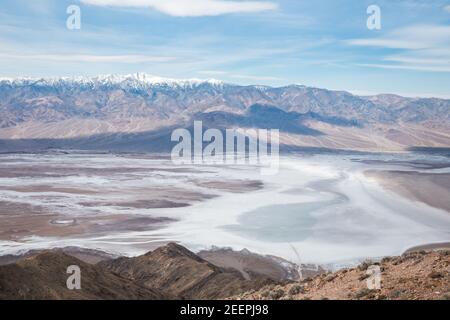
[[112, 112], [261, 117], [44, 276], [175, 269]]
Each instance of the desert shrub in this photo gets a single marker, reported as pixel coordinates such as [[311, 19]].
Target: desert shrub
[[386, 259], [364, 293], [435, 275], [446, 296], [265, 293], [276, 294], [395, 294], [296, 289], [330, 277], [363, 266], [363, 276]]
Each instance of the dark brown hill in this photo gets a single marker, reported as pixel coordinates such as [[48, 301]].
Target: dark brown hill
[[175, 269], [44, 276]]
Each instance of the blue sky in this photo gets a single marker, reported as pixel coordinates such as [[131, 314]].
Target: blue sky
[[322, 43]]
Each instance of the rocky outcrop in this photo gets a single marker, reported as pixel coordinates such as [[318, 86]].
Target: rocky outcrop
[[412, 276]]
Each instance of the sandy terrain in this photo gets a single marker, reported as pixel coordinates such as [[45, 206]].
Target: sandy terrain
[[430, 188]]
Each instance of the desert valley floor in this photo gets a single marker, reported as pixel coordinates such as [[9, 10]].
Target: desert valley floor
[[330, 209]]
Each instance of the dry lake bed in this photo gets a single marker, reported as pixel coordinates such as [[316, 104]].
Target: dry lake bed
[[327, 209]]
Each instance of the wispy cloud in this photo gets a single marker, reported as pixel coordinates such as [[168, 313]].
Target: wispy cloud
[[213, 72], [447, 8], [231, 75], [254, 78], [418, 60], [415, 67], [412, 37], [273, 42], [191, 8], [421, 48], [88, 58]]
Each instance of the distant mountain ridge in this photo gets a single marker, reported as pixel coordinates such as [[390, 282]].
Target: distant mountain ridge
[[137, 80], [67, 108]]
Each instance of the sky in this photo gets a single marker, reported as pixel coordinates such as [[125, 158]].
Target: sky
[[320, 43]]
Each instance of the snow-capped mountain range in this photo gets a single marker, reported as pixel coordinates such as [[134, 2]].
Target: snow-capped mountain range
[[140, 106], [136, 80]]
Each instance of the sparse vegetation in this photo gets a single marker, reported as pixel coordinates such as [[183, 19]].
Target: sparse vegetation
[[330, 277], [363, 276], [436, 275], [364, 293], [296, 289], [365, 265], [276, 294], [418, 276]]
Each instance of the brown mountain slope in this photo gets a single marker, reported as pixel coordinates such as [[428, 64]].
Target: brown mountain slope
[[44, 276], [181, 273], [414, 275], [175, 269], [132, 113]]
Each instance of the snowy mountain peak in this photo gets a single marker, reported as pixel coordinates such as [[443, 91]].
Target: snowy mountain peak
[[148, 79], [136, 80]]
